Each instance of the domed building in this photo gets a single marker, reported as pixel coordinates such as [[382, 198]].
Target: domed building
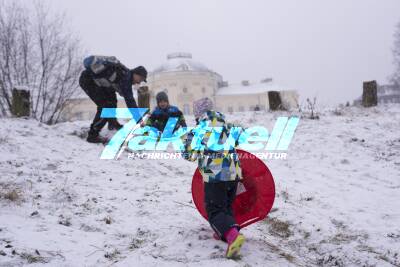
[[185, 80]]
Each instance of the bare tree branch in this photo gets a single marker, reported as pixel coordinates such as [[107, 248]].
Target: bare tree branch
[[39, 51], [396, 54]]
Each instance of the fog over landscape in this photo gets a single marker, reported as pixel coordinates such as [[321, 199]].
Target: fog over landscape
[[324, 49]]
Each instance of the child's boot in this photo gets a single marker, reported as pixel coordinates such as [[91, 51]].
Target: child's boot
[[235, 241]]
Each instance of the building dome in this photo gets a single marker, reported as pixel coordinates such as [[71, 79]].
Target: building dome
[[181, 62], [185, 80]]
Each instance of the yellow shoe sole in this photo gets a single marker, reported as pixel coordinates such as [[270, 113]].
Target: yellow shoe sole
[[233, 250]]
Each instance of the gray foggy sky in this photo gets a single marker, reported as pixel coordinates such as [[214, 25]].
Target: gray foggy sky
[[321, 48]]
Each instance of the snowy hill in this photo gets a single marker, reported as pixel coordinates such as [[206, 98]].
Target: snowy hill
[[337, 204]]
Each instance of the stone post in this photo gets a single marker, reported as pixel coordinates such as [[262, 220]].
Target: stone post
[[370, 94], [275, 101], [20, 105], [144, 97]]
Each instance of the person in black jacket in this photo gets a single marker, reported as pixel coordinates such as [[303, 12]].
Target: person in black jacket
[[102, 78]]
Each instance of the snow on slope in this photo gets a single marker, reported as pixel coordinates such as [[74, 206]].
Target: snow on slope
[[337, 199]]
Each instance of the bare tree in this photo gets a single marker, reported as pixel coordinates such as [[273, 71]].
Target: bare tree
[[37, 50], [396, 54], [311, 107], [15, 51]]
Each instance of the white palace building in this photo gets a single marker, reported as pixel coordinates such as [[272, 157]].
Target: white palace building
[[186, 80]]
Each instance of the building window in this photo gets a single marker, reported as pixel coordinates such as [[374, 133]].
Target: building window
[[241, 108], [203, 90], [230, 109], [186, 109], [184, 89]]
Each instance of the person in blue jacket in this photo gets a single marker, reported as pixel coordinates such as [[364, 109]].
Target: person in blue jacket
[[160, 115]]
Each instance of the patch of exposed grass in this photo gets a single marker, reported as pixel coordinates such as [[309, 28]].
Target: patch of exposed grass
[[278, 228], [136, 243], [32, 258], [288, 257], [112, 255], [12, 195]]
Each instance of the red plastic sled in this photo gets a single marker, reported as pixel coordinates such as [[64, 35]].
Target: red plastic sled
[[255, 195]]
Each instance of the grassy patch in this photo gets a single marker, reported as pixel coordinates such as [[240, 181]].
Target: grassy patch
[[279, 228]]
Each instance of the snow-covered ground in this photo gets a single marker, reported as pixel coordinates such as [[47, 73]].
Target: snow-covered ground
[[337, 203]]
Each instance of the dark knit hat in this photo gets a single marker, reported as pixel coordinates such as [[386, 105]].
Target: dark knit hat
[[140, 70], [161, 96]]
